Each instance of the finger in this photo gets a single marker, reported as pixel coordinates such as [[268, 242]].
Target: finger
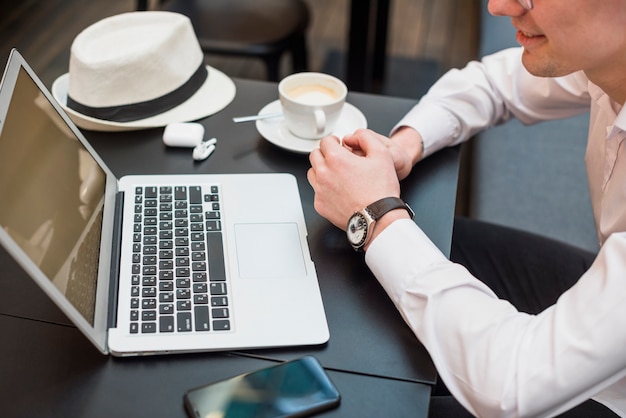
[[354, 141], [310, 175], [316, 158], [350, 141], [329, 144], [368, 142]]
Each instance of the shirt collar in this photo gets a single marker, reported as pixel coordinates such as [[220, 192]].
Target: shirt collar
[[620, 120]]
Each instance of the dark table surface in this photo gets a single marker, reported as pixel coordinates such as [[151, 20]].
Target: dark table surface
[[377, 363]]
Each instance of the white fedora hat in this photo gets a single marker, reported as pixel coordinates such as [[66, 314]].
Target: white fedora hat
[[140, 70]]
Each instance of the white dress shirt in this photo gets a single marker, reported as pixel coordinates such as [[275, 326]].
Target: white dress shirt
[[495, 360]]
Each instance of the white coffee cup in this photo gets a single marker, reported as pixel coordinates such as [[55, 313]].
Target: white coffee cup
[[312, 103]]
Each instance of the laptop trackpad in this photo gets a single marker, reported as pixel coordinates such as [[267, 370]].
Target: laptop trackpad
[[269, 251]]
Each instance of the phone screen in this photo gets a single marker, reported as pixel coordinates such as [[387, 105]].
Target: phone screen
[[294, 388]]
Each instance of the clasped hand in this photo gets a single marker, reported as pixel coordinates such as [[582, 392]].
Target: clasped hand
[[349, 174]]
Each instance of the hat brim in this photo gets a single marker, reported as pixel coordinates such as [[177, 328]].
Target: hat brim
[[215, 94]]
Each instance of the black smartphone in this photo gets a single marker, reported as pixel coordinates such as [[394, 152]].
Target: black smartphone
[[294, 388]]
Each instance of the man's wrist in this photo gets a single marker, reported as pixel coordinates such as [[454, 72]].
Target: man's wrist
[[411, 141]]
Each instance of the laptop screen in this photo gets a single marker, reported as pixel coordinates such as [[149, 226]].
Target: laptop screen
[[51, 195]]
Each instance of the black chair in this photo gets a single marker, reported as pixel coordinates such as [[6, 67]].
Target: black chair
[[264, 29]]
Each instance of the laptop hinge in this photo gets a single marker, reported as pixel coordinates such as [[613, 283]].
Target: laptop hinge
[[116, 250]]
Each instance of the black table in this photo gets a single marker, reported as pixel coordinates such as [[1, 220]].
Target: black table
[[380, 368]]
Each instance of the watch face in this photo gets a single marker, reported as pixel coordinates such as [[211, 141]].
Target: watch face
[[357, 229]]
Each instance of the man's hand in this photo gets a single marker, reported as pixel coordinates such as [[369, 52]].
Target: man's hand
[[349, 176], [405, 147]]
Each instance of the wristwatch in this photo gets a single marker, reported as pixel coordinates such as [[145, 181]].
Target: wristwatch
[[360, 223]]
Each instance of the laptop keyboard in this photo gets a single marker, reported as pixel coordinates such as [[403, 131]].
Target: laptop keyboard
[[178, 275]]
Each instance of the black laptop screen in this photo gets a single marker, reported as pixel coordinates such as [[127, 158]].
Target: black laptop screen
[[51, 195]]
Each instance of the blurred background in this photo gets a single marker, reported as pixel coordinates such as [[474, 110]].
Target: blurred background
[[425, 38]]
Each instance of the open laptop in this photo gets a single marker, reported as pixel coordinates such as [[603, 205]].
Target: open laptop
[[157, 263]]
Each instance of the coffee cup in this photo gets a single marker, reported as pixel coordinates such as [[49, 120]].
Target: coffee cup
[[312, 103]]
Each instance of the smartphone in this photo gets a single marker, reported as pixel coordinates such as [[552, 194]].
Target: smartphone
[[294, 388]]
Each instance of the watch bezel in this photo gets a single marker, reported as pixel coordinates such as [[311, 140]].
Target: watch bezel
[[367, 221]]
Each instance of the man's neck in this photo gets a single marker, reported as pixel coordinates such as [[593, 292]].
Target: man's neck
[[613, 83]]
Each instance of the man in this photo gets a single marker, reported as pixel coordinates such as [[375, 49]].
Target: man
[[498, 357]]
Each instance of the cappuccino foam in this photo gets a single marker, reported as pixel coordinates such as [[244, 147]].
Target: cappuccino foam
[[313, 94]]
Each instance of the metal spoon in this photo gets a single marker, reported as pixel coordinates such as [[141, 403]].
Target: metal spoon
[[256, 117]]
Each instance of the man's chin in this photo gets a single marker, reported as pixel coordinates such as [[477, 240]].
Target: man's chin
[[541, 67]]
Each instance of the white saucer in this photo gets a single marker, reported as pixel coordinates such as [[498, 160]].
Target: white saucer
[[276, 131]]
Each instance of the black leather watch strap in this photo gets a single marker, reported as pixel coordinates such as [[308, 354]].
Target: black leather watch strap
[[387, 204]]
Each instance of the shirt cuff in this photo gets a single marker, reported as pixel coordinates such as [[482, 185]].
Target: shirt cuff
[[435, 135], [387, 256]]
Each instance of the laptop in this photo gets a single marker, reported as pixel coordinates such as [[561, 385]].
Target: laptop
[[151, 264]]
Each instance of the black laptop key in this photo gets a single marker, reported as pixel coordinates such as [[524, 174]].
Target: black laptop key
[[151, 192], [213, 226], [166, 296], [183, 305], [183, 262], [217, 289], [221, 325], [149, 292], [198, 266], [195, 195], [219, 313], [182, 251], [166, 323], [183, 320], [180, 193], [166, 308], [199, 276], [215, 249], [201, 299], [201, 316], [148, 327], [148, 315], [219, 301], [198, 246], [199, 288], [149, 303], [198, 256]]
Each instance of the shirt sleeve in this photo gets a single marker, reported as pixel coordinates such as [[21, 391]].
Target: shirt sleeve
[[495, 360], [486, 93]]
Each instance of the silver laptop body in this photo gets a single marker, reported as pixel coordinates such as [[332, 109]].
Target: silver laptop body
[[131, 262]]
